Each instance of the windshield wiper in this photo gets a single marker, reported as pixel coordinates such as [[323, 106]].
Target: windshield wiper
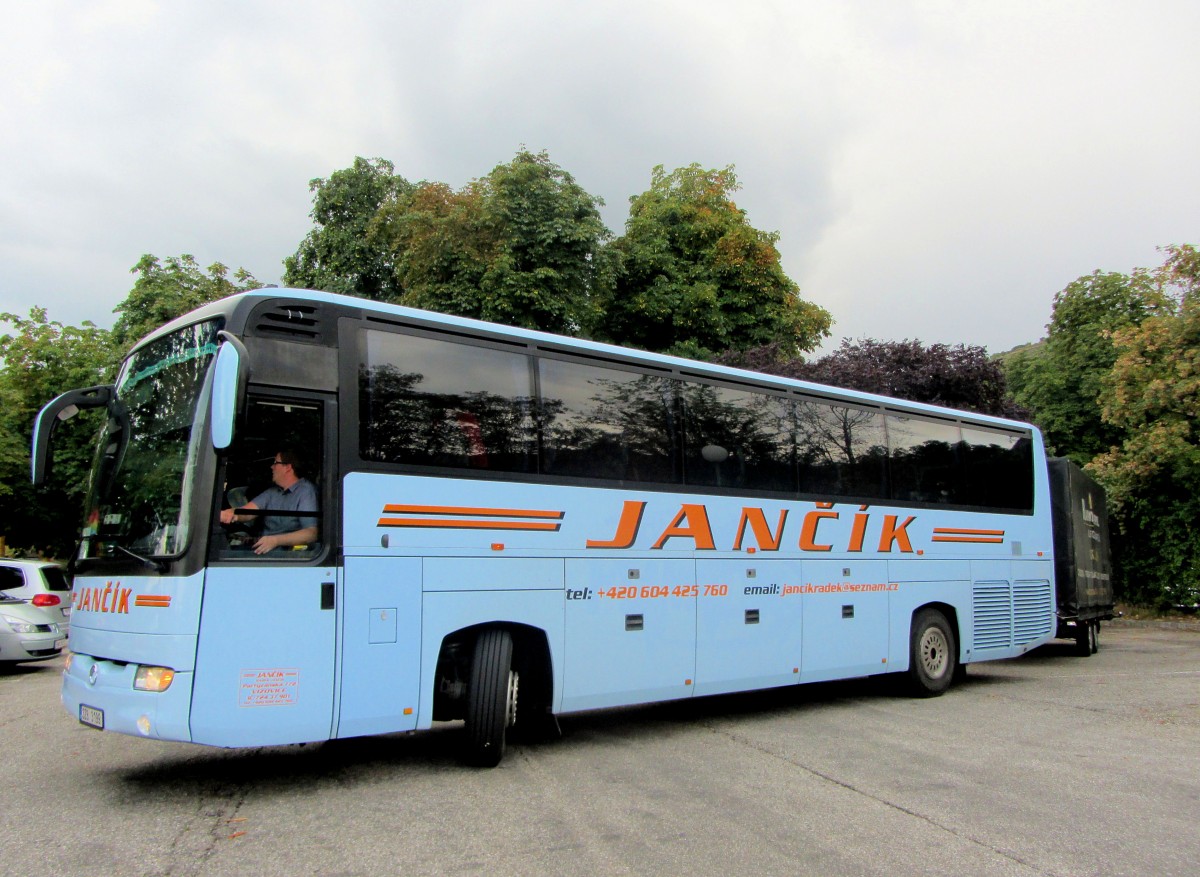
[[156, 565]]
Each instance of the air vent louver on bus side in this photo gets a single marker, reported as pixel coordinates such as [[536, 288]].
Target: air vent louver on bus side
[[296, 321], [1032, 611], [992, 615]]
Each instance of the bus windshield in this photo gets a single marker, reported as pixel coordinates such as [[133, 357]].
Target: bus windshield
[[138, 499]]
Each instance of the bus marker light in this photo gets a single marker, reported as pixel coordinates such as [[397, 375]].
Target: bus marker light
[[497, 546], [408, 711]]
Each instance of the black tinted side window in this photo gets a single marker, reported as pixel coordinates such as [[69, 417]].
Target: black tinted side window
[[432, 402], [997, 469], [924, 462], [601, 422], [10, 577], [735, 438], [842, 450]]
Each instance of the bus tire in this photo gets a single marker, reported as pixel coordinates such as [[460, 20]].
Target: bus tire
[[491, 698], [933, 654]]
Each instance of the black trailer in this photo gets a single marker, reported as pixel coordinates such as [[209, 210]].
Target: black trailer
[[1082, 567]]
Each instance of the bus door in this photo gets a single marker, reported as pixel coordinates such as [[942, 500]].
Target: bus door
[[265, 661]]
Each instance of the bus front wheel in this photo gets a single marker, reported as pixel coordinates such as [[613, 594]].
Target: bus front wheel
[[491, 698], [933, 655]]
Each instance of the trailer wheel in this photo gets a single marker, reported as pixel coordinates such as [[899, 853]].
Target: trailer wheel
[[491, 698], [1085, 639], [933, 654]]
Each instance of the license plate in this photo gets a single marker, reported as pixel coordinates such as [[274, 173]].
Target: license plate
[[89, 715]]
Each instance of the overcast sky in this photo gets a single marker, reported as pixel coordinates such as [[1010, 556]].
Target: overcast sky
[[935, 170]]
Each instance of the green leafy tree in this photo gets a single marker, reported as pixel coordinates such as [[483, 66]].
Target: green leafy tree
[[42, 359], [697, 279], [166, 289], [340, 254], [1060, 379], [1152, 396], [522, 246]]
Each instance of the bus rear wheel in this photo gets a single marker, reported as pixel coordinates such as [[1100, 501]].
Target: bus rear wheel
[[491, 698], [933, 656]]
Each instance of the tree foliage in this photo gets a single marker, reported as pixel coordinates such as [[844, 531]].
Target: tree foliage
[[340, 254], [697, 279], [166, 289], [42, 359], [957, 376], [1061, 379], [522, 246], [1152, 397]]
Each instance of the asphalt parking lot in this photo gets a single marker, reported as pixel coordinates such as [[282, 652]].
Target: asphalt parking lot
[[1047, 765]]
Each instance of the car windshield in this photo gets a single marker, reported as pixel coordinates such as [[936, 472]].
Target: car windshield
[[140, 489]]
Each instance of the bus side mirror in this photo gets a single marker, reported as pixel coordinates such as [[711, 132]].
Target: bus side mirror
[[229, 377], [63, 407]]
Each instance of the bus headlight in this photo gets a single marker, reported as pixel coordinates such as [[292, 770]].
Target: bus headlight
[[153, 678]]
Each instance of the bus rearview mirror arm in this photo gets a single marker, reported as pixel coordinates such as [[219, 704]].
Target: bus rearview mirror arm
[[61, 408]]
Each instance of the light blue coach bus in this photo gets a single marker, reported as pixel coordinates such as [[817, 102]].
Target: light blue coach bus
[[514, 525]]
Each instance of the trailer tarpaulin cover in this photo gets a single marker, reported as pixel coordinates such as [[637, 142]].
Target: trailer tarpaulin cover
[[1081, 560]]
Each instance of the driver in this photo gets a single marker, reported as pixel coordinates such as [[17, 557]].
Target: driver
[[290, 493]]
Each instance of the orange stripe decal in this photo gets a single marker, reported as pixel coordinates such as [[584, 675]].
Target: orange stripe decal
[[977, 537], [439, 524], [470, 518], [463, 510], [161, 601]]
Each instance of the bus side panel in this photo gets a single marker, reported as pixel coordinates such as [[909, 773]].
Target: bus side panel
[[845, 619], [380, 610], [751, 637], [629, 638], [444, 612]]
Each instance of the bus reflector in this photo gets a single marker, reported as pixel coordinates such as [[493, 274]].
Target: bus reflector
[[497, 546]]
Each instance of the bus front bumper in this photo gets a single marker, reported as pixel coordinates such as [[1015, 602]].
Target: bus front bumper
[[100, 694]]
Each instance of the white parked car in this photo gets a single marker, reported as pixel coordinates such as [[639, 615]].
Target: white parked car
[[27, 633], [40, 583]]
